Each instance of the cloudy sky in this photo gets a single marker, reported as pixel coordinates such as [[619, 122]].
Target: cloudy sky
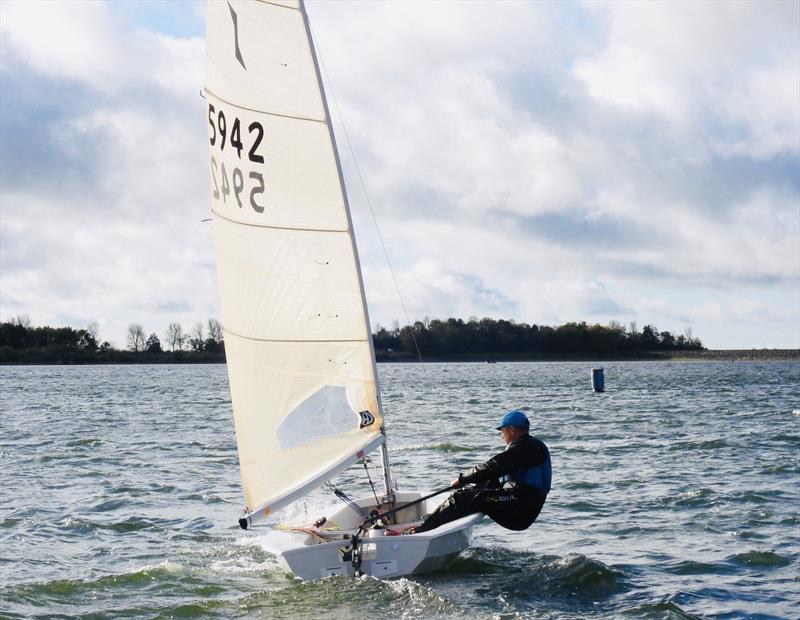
[[546, 162]]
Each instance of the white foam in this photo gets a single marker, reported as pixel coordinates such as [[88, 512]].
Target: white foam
[[243, 565]]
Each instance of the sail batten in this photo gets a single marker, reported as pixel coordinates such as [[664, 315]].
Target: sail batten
[[229, 331], [298, 347], [321, 230], [297, 118]]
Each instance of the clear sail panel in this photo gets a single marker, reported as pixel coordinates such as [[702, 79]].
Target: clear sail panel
[[285, 284]]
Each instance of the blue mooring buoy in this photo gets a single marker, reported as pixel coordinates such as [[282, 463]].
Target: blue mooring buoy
[[598, 381]]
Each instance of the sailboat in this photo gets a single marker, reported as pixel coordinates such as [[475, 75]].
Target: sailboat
[[300, 358]]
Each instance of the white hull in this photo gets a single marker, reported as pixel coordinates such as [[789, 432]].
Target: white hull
[[315, 554]]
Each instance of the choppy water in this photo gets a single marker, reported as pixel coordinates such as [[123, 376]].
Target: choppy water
[[676, 494]]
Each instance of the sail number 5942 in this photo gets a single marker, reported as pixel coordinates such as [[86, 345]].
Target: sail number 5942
[[219, 128], [224, 185]]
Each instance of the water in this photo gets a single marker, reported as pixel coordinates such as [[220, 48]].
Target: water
[[676, 494]]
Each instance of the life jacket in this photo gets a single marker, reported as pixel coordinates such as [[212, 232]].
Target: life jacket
[[538, 477]]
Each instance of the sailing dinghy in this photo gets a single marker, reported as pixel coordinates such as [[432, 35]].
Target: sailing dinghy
[[300, 359]]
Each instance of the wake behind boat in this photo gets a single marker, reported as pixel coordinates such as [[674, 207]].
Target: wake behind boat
[[300, 359]]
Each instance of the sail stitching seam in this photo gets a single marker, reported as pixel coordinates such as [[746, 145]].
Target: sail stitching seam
[[241, 107], [238, 335], [321, 230], [283, 6]]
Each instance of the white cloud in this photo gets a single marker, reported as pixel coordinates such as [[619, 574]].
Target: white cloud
[[755, 239], [623, 76], [729, 64], [539, 161], [766, 103], [84, 42], [119, 239], [73, 40]]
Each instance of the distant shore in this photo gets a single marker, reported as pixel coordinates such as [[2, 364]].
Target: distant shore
[[739, 355], [85, 358], [720, 355]]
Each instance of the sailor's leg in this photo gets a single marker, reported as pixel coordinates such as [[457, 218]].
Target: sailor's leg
[[510, 512], [459, 504]]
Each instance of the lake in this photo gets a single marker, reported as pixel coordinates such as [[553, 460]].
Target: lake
[[676, 494]]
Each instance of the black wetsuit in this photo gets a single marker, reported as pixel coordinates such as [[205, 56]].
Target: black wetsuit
[[512, 504]]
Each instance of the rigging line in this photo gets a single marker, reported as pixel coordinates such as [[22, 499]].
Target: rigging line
[[343, 496], [374, 493], [366, 193]]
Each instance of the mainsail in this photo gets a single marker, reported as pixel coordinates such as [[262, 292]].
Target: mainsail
[[299, 352]]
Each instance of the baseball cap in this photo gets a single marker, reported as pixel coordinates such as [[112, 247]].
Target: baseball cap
[[514, 418]]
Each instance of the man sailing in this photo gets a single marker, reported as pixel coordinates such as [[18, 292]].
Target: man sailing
[[510, 488]]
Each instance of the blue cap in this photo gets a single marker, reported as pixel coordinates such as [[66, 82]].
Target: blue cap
[[514, 418]]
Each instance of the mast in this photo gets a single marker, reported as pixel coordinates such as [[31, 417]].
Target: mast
[[388, 486]]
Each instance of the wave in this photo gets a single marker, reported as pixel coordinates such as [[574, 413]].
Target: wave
[[662, 609], [167, 589], [706, 444], [109, 505], [690, 567], [584, 506], [753, 497], [793, 439], [154, 576], [206, 498], [489, 561], [345, 597], [246, 565], [631, 482], [470, 565], [528, 575], [449, 447], [137, 524], [196, 586], [128, 525], [696, 497], [781, 468], [764, 559], [88, 441], [580, 485], [520, 578], [442, 447], [582, 576]]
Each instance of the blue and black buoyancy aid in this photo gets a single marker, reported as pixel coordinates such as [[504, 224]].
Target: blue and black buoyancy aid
[[539, 476]]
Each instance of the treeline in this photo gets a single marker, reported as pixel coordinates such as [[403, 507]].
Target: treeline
[[486, 338], [177, 340], [509, 339], [22, 343]]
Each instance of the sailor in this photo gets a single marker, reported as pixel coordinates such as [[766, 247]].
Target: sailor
[[510, 488]]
